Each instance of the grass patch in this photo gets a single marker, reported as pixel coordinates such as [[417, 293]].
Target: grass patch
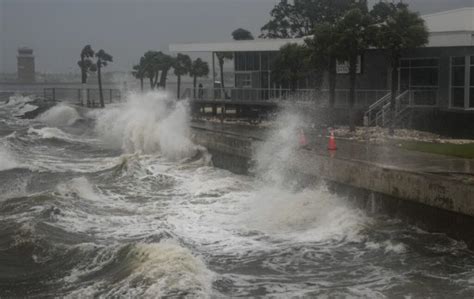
[[455, 150]]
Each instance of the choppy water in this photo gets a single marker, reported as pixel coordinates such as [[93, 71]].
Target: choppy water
[[119, 203]]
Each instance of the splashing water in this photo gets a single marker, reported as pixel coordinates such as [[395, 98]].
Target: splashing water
[[7, 160], [60, 115], [148, 123]]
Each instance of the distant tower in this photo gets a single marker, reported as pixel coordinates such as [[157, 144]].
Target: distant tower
[[26, 65]]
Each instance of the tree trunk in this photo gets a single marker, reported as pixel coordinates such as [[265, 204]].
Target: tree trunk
[[194, 86], [394, 95], [221, 66], [352, 91], [332, 81], [179, 86], [83, 72], [164, 75], [151, 83], [332, 89], [155, 81], [99, 76], [141, 84]]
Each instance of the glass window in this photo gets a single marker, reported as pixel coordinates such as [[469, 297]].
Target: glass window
[[424, 77], [471, 98], [243, 80], [265, 64], [472, 60], [424, 62], [239, 61], [472, 76], [405, 63], [457, 97], [458, 61], [458, 76]]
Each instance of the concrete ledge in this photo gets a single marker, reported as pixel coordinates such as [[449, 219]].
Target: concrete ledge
[[432, 190]]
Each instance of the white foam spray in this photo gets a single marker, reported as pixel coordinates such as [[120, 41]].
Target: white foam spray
[[148, 123], [59, 115], [7, 160]]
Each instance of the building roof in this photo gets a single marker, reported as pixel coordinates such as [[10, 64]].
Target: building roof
[[236, 46], [447, 29], [455, 20]]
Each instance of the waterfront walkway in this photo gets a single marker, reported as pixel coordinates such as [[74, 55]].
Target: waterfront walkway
[[380, 155]]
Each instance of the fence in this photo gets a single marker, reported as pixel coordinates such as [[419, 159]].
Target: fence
[[90, 96], [363, 97]]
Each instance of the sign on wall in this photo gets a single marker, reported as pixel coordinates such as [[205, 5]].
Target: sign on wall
[[342, 67]]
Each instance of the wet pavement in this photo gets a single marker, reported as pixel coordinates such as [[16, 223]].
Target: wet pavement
[[381, 155]]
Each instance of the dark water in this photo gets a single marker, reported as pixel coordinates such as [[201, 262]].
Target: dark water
[[118, 203]]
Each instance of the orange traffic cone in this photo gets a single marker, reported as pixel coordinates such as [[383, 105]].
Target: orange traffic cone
[[332, 142], [302, 139]]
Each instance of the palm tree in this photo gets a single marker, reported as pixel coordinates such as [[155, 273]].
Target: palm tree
[[151, 69], [103, 58], [290, 65], [85, 64], [182, 65], [221, 57], [398, 29], [165, 64], [199, 68], [139, 71], [355, 33]]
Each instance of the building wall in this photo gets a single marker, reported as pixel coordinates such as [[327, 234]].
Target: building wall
[[26, 68], [374, 73], [444, 54]]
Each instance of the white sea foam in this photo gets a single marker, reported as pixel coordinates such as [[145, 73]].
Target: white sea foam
[[7, 160], [159, 269], [51, 133], [17, 100], [60, 115], [79, 188], [148, 123]]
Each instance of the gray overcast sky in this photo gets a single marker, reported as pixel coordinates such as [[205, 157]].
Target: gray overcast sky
[[58, 29]]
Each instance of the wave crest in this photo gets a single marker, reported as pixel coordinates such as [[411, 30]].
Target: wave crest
[[148, 123], [60, 115]]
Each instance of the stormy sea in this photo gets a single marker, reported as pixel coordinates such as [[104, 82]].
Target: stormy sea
[[118, 202]]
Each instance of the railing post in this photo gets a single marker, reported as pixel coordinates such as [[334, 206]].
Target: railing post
[[88, 98], [79, 95], [110, 95], [54, 94]]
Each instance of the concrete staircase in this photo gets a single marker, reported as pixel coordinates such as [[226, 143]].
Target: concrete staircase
[[379, 113]]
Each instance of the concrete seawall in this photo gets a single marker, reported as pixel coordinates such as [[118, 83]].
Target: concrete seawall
[[437, 202]]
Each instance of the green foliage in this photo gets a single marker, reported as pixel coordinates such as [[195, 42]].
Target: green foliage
[[154, 62], [354, 33], [85, 64], [398, 28], [221, 58], [199, 68], [299, 19], [103, 58], [182, 64], [290, 65], [242, 34]]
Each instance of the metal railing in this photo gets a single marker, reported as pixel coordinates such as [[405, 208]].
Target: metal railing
[[363, 97], [91, 96], [379, 114]]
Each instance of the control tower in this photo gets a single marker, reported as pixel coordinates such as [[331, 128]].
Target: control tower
[[26, 65]]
